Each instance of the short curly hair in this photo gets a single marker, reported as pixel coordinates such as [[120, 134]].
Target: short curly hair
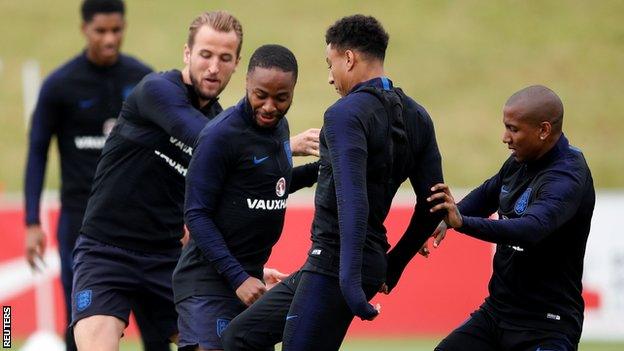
[[358, 32], [274, 56]]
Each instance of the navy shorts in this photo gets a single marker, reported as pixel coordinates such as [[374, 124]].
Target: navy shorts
[[202, 320], [482, 331], [108, 280]]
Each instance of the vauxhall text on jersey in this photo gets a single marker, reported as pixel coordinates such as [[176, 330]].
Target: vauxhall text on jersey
[[235, 202]]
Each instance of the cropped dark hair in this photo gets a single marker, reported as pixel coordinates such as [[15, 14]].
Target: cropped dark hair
[[358, 32], [90, 8], [273, 56]]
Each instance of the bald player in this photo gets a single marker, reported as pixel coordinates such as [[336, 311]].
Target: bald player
[[544, 197]]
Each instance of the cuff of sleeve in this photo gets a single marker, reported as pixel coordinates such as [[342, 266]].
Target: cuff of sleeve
[[467, 224], [32, 221], [236, 278]]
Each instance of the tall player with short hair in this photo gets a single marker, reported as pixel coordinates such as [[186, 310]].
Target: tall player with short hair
[[78, 104], [373, 139], [130, 237]]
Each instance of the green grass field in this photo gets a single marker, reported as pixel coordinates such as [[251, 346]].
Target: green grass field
[[395, 344], [460, 59]]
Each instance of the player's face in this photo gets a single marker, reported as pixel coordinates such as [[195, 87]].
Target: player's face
[[336, 64], [521, 135], [104, 35], [211, 61], [270, 93]]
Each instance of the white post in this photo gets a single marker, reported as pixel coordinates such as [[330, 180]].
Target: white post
[[31, 82]]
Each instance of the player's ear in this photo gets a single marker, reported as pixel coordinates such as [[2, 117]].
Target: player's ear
[[545, 130], [83, 27], [350, 59], [187, 54]]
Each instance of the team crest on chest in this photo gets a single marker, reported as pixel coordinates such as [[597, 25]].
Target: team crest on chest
[[523, 202], [280, 187]]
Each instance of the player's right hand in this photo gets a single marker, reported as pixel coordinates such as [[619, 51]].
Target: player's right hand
[[442, 192], [306, 143], [250, 290], [35, 246]]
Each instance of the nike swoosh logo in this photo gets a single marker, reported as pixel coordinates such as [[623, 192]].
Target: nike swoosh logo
[[291, 317], [504, 190], [259, 160]]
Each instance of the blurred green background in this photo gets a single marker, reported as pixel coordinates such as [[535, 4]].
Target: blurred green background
[[460, 59]]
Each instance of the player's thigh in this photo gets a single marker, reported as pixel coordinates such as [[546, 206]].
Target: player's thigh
[[103, 281], [319, 317], [478, 332], [202, 320], [261, 325], [153, 304]]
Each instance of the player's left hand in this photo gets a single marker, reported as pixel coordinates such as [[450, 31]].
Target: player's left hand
[[378, 309], [272, 277], [442, 192], [306, 143]]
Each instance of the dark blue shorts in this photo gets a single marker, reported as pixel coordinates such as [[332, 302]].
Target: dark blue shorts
[[482, 331], [108, 280], [202, 320]]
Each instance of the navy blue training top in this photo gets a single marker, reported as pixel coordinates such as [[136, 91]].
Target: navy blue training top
[[236, 191], [352, 199], [545, 209], [78, 103], [138, 190]]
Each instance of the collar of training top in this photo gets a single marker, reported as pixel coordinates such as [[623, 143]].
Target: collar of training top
[[99, 68], [379, 82], [555, 152]]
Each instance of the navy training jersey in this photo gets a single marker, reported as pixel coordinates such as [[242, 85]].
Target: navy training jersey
[[355, 189], [237, 186], [138, 190], [545, 209], [78, 103]]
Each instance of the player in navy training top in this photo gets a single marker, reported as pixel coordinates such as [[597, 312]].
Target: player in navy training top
[[237, 186], [544, 196], [78, 104], [130, 237], [372, 140]]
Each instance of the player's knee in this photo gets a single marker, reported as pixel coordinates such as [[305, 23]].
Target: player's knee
[[98, 333]]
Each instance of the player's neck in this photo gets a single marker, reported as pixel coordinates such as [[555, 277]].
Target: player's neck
[[366, 73], [97, 60], [186, 79]]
